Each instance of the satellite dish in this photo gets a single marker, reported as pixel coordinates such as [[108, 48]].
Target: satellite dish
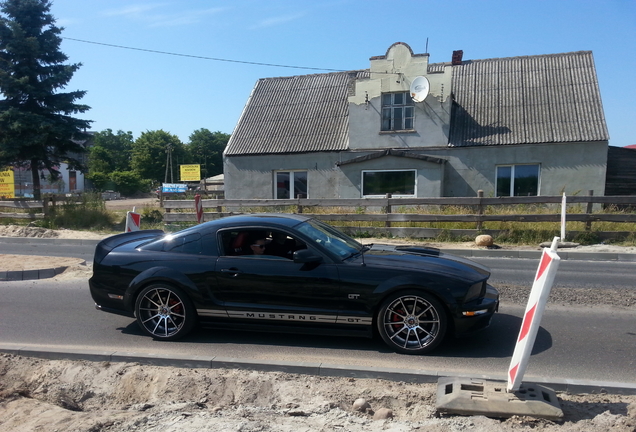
[[419, 89]]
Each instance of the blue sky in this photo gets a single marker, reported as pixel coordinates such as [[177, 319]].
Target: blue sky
[[138, 91]]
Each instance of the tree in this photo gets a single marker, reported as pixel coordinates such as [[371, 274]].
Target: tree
[[129, 182], [110, 152], [37, 129], [206, 149], [149, 155]]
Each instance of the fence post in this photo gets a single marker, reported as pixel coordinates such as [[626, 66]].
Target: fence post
[[387, 224], [588, 211], [45, 206], [300, 207], [480, 209]]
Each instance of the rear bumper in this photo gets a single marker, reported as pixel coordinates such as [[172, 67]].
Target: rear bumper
[[114, 311], [108, 301]]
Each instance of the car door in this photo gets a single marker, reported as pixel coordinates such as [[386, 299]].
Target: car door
[[275, 288]]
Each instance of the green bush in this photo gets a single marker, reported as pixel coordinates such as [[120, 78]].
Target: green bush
[[129, 182], [151, 216], [88, 213], [587, 238]]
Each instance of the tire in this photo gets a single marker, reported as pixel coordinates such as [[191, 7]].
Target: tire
[[164, 312], [412, 322]]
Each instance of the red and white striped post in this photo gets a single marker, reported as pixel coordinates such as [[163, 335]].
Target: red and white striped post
[[133, 220], [198, 206], [532, 318]]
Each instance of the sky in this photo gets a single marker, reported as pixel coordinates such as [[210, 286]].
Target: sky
[[139, 90]]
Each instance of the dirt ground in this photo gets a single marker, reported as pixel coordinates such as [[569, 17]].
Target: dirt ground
[[129, 203], [74, 396]]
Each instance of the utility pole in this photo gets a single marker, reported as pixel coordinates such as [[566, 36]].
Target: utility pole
[[169, 164]]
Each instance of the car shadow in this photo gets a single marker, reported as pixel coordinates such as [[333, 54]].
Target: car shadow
[[211, 335], [497, 341]]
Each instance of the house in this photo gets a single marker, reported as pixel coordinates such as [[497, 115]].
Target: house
[[70, 181], [530, 125]]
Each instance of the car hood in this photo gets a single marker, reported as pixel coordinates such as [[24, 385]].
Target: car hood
[[425, 259]]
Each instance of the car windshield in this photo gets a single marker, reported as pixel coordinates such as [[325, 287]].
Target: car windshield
[[330, 238]]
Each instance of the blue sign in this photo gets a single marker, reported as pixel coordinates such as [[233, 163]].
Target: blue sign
[[174, 188]]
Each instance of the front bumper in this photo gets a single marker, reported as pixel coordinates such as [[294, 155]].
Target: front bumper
[[477, 315]]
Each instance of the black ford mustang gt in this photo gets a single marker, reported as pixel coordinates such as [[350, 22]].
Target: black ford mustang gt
[[289, 272]]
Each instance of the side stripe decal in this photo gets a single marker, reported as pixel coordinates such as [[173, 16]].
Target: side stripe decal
[[285, 316]]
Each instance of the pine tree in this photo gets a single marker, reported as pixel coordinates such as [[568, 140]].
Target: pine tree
[[37, 127]]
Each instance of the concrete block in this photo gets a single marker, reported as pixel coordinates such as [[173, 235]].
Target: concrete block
[[467, 396], [46, 273], [14, 275], [266, 366], [389, 374], [193, 362]]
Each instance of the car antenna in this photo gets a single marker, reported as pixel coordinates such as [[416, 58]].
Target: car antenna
[[362, 253]]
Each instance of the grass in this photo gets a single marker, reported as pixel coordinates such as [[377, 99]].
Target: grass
[[88, 213]]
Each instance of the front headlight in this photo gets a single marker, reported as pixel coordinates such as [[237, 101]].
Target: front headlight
[[475, 291]]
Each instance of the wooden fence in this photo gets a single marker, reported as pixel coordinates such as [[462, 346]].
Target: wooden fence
[[393, 211], [26, 208], [388, 212]]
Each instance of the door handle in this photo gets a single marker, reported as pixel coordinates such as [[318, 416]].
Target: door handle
[[233, 272]]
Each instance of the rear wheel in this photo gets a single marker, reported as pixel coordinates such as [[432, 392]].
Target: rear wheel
[[164, 312], [412, 322]]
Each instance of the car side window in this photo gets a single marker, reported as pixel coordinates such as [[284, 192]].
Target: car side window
[[281, 244], [254, 243]]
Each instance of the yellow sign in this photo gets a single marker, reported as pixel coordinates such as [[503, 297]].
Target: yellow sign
[[7, 187], [190, 172]]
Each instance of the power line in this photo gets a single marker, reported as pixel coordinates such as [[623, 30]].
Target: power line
[[202, 57]]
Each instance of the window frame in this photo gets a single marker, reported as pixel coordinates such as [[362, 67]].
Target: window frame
[[292, 181], [394, 107], [512, 178], [413, 170]]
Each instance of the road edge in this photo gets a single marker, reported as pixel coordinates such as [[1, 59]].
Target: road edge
[[304, 368]]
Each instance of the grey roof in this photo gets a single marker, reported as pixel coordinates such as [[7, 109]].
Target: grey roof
[[295, 114], [526, 100], [515, 100]]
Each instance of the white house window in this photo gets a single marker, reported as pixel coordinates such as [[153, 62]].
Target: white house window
[[380, 183], [517, 180], [290, 184], [397, 111]]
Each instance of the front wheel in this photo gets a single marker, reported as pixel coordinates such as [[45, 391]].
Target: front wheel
[[164, 312], [412, 322]]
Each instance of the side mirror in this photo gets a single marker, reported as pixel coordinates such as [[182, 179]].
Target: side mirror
[[306, 256]]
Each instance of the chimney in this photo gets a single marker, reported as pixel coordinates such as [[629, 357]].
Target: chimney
[[457, 57]]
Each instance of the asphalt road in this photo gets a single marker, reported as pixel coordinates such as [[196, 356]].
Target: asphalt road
[[72, 249], [574, 343], [518, 272], [571, 273]]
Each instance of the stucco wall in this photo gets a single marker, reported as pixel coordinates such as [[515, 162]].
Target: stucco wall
[[394, 73], [253, 176], [429, 175], [567, 167]]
